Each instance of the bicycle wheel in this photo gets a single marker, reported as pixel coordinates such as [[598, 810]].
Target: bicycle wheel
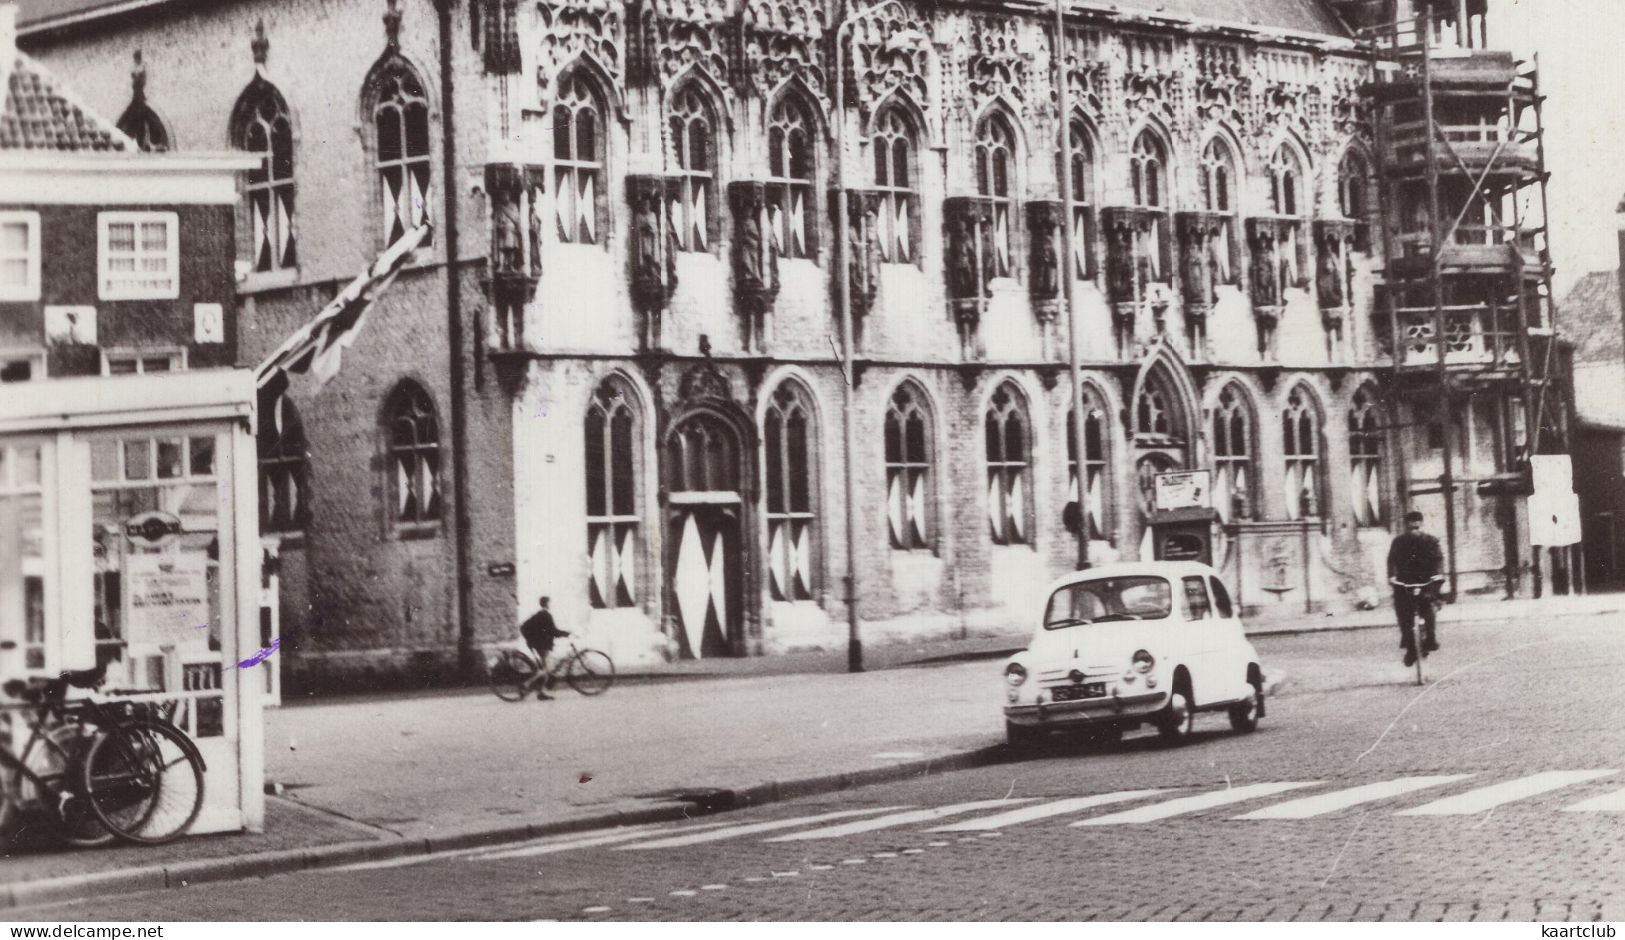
[[144, 781], [75, 820], [590, 672], [511, 675]]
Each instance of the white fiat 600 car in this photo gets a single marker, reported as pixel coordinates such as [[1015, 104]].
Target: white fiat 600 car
[[1130, 644]]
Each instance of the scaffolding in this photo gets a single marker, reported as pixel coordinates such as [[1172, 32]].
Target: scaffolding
[[1467, 282]]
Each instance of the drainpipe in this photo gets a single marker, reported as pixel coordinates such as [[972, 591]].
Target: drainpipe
[[454, 339]]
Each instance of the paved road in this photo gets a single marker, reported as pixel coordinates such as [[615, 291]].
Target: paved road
[[1497, 793]]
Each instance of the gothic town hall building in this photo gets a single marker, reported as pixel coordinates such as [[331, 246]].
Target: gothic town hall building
[[616, 377]]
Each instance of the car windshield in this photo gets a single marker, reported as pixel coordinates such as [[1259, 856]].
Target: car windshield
[[1106, 600]]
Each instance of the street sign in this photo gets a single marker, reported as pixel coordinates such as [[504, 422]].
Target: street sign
[[1187, 489], [152, 529]]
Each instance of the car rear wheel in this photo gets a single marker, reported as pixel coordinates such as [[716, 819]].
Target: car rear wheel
[[1244, 715], [1178, 717]]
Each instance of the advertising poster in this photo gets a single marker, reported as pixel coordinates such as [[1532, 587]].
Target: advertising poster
[[168, 599]]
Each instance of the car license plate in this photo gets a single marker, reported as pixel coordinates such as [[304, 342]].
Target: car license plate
[[1070, 693]]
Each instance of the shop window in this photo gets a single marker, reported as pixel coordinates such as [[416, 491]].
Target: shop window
[[284, 457], [789, 450], [996, 182], [908, 469], [138, 255], [260, 124], [401, 150], [1366, 446], [578, 158], [1233, 455], [22, 554], [19, 256], [1300, 436], [893, 148], [613, 442], [693, 126], [792, 149], [412, 436], [1009, 467]]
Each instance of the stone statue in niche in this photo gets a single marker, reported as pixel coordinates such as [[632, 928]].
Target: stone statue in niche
[[1198, 287], [646, 239], [507, 242], [863, 257], [1120, 267], [962, 259], [1046, 264], [1266, 271], [536, 222], [1329, 276], [750, 250]]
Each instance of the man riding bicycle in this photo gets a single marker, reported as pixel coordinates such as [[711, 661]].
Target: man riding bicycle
[[1414, 558], [539, 633]]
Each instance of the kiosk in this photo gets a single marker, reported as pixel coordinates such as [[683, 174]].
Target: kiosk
[[1182, 517], [129, 536]]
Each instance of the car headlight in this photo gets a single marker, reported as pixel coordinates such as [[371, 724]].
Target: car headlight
[[1143, 662], [1015, 674]]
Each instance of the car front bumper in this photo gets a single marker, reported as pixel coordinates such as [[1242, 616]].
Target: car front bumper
[[1109, 710]]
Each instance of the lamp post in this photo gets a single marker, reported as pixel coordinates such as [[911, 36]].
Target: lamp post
[[843, 279], [1075, 362]]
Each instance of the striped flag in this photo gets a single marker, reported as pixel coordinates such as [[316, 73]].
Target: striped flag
[[316, 347]]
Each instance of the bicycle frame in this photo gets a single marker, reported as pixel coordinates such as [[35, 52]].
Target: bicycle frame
[[1416, 592]]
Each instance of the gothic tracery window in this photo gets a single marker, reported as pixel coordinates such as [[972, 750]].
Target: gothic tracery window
[[611, 460], [1081, 166], [693, 128], [1218, 175], [578, 158], [893, 148], [284, 460], [788, 453], [412, 445], [908, 469], [1287, 196], [1009, 467], [995, 179], [1353, 187], [1366, 447], [1233, 455], [1148, 167], [791, 178], [400, 123], [1300, 435], [261, 125], [1094, 489]]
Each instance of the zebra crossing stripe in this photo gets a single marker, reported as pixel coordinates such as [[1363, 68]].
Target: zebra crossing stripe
[[1607, 803], [1486, 798], [735, 831], [1193, 804], [897, 819], [1343, 799], [566, 845], [1046, 810]]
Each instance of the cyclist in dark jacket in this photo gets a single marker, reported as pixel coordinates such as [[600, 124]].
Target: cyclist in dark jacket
[[539, 633], [1415, 558]]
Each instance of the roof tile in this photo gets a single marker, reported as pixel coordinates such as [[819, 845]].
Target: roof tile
[[38, 114]]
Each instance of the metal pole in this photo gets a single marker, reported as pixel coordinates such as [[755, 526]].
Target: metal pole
[[1447, 482], [843, 275], [1068, 253]]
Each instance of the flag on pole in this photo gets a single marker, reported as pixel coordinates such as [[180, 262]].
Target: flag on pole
[[316, 347]]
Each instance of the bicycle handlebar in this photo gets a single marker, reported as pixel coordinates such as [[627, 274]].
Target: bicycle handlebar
[[1398, 583]]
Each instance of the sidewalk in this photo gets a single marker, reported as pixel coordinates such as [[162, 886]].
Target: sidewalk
[[388, 776]]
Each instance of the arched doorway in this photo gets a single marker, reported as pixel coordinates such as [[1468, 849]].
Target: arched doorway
[[1162, 428], [704, 466]]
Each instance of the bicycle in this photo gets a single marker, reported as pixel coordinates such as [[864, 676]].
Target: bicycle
[[516, 671], [1416, 592], [103, 770]]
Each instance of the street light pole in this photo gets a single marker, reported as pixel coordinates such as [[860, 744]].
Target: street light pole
[[843, 281], [1063, 127]]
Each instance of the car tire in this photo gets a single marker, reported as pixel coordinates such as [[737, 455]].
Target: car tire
[[1178, 717], [1244, 716], [1021, 739]]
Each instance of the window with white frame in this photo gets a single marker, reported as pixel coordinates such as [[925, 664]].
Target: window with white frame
[[19, 256], [1365, 457], [893, 146], [1300, 436], [21, 367], [1008, 467], [142, 362], [1233, 456], [138, 255], [693, 143]]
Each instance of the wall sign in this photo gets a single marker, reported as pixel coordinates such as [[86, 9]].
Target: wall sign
[[73, 326], [208, 323], [1188, 489], [152, 529]]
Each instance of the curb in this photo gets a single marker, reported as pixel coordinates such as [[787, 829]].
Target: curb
[[283, 861]]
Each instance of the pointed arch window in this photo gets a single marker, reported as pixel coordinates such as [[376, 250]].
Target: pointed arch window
[[142, 124], [791, 175], [400, 123], [893, 148], [693, 127], [1081, 166], [996, 182], [1287, 195], [284, 458], [578, 159], [908, 469], [613, 433], [1219, 196], [261, 125], [1149, 253], [790, 493], [1152, 412], [1354, 187], [1233, 456], [412, 442], [1094, 489], [1300, 436], [1148, 168], [1009, 467], [1366, 446]]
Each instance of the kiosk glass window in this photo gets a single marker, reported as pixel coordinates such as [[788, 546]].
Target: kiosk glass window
[[22, 554], [156, 554]]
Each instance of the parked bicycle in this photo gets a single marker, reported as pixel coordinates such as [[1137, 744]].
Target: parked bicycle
[[97, 771], [515, 672]]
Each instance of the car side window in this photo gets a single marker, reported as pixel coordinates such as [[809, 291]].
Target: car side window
[[1221, 600], [1196, 599]]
